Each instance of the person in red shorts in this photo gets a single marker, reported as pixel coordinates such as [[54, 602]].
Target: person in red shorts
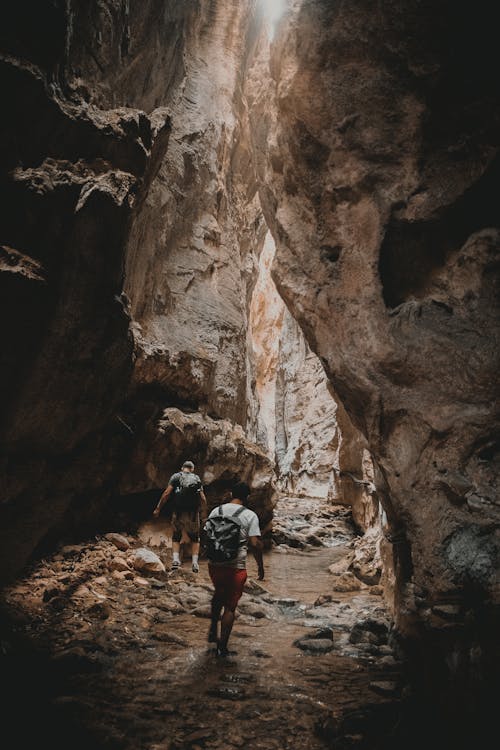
[[229, 577]]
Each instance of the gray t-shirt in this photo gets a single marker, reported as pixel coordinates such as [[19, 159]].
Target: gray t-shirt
[[249, 526]]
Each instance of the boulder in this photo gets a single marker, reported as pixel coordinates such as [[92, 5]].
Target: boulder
[[147, 562]]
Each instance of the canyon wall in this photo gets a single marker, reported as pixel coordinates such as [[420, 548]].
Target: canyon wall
[[129, 233], [379, 171], [139, 143], [294, 414]]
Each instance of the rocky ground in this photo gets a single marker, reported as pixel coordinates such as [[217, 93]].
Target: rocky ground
[[105, 647]]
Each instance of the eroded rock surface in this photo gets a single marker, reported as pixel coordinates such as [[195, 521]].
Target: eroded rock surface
[[379, 184], [129, 662], [128, 248]]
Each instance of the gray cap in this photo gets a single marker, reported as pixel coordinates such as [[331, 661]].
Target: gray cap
[[188, 465]]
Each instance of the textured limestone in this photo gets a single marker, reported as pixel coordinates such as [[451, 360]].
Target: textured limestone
[[296, 416], [219, 449], [126, 258], [193, 246], [379, 185], [375, 136]]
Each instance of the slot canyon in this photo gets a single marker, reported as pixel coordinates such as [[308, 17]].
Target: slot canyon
[[263, 236]]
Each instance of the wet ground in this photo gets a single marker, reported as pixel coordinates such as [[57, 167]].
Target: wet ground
[[103, 656]]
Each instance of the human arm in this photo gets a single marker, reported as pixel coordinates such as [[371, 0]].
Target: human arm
[[163, 499], [256, 546]]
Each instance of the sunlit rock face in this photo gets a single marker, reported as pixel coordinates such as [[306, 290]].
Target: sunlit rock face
[[194, 242], [295, 416], [128, 240], [380, 186]]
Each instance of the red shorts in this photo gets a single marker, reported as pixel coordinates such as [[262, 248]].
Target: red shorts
[[228, 583]]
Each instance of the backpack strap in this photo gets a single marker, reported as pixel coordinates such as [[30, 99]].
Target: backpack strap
[[236, 512]]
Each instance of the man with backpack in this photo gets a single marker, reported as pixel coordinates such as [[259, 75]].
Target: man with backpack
[[229, 529], [187, 491]]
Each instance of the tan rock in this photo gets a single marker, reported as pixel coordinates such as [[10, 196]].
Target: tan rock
[[118, 540], [145, 560], [119, 564], [346, 582]]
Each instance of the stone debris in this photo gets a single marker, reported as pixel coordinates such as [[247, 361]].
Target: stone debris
[[147, 561], [144, 635], [118, 540]]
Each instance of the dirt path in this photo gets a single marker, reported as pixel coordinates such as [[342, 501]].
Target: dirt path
[[125, 663]]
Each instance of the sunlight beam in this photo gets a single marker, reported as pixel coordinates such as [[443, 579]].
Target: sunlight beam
[[273, 10]]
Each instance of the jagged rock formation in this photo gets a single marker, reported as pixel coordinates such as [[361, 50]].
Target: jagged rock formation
[[128, 154], [380, 186], [191, 266], [296, 418], [131, 219], [71, 174], [218, 447]]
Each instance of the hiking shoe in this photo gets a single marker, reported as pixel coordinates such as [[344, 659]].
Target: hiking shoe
[[195, 568], [212, 635], [176, 564]]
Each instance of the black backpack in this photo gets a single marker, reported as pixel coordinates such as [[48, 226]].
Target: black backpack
[[222, 536], [187, 493]]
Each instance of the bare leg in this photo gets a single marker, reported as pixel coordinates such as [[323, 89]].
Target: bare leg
[[225, 629], [216, 610]]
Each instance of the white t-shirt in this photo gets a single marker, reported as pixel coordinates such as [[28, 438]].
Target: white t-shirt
[[249, 526]]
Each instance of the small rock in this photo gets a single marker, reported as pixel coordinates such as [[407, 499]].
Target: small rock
[[199, 734], [322, 633], [141, 581], [346, 582], [341, 566], [71, 550], [167, 636], [314, 540], [252, 609], [101, 610], [118, 540], [157, 584], [122, 575], [146, 561], [369, 631], [50, 593], [385, 688], [118, 563], [447, 611], [259, 653], [229, 692], [57, 603], [315, 645]]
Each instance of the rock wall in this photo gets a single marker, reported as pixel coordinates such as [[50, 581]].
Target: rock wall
[[72, 171], [191, 266], [380, 184], [130, 226], [294, 414]]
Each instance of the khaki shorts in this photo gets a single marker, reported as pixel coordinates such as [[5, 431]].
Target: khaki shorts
[[187, 523]]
